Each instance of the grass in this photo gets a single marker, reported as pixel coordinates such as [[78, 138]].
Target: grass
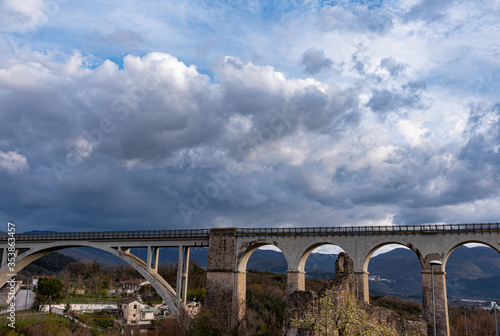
[[23, 319]]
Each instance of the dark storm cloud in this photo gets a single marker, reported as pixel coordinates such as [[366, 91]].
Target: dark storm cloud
[[115, 146], [314, 61], [250, 148]]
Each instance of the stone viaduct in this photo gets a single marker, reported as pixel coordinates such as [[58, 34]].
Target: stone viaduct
[[231, 248]]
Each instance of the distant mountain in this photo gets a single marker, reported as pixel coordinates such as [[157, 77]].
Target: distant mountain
[[49, 264], [472, 273], [167, 255]]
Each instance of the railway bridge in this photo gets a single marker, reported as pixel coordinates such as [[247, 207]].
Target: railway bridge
[[231, 248]]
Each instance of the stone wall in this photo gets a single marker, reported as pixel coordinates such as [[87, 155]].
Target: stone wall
[[297, 304], [390, 318]]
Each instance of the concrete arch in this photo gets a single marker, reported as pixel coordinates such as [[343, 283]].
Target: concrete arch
[[308, 251], [246, 254], [472, 241], [366, 258], [166, 292]]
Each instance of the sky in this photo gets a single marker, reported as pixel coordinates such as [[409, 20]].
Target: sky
[[132, 115]]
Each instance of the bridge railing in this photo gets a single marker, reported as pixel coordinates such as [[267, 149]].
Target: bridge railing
[[103, 235], [204, 233], [359, 230]]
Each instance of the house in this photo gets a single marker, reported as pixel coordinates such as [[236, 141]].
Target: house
[[132, 286], [148, 313], [79, 291], [193, 308], [34, 278], [134, 312], [163, 309]]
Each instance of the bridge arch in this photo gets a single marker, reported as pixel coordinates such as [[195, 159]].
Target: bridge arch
[[453, 247], [244, 256], [369, 253], [307, 252], [166, 292]]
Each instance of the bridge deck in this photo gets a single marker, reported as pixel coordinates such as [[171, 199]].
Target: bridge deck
[[204, 233]]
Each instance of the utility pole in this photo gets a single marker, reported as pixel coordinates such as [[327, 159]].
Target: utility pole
[[465, 314], [495, 307]]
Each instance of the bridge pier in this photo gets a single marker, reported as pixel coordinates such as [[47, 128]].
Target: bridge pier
[[362, 288], [440, 300], [182, 275], [226, 286], [156, 254], [296, 280], [5, 251]]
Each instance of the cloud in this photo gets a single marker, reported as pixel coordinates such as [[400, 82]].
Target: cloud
[[392, 66], [126, 113], [428, 10], [314, 61], [357, 19], [408, 97], [13, 162]]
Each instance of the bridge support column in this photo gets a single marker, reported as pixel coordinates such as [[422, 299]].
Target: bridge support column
[[149, 258], [362, 287], [296, 280], [154, 267], [125, 250], [240, 300], [5, 251], [225, 289], [182, 275], [440, 300]]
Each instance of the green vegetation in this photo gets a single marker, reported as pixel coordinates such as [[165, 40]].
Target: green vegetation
[[409, 310], [197, 294], [48, 290], [266, 295], [342, 316], [43, 325], [99, 320]]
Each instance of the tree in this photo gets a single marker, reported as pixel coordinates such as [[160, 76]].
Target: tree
[[341, 315], [67, 308], [48, 289]]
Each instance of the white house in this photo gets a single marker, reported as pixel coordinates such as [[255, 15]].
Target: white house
[[193, 308], [134, 312], [132, 286]]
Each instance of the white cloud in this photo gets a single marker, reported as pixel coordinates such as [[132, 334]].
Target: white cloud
[[13, 162]]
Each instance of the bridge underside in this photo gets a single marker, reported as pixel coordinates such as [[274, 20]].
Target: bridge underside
[[176, 300]]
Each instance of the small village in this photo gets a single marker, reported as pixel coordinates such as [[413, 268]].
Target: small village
[[127, 307]]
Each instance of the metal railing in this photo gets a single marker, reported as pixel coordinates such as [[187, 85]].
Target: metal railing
[[204, 233], [361, 230], [104, 235]]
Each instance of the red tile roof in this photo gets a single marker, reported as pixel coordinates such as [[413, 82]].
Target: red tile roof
[[134, 281]]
